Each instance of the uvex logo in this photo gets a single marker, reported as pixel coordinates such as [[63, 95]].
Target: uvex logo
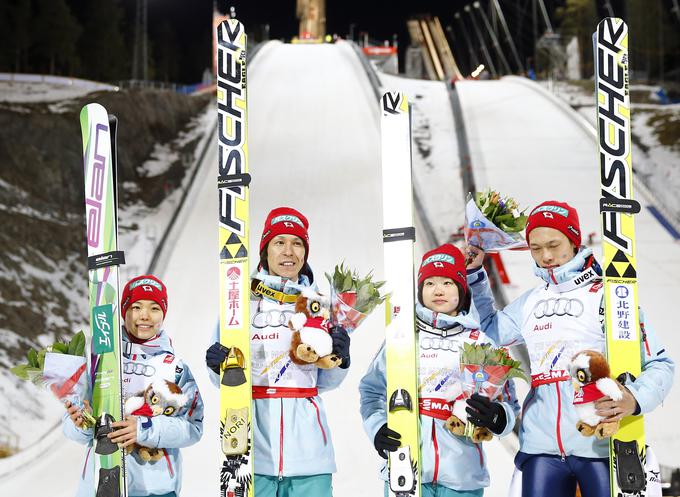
[[584, 277], [97, 182], [231, 83], [613, 124]]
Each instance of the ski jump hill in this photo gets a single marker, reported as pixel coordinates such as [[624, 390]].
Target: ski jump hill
[[314, 144]]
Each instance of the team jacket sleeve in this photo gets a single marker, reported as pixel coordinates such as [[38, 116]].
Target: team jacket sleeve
[[182, 430], [72, 432], [504, 326], [214, 377], [655, 381], [511, 406], [328, 379], [372, 392]]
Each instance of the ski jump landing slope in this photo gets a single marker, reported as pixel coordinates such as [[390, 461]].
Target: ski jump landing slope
[[314, 145], [526, 143]]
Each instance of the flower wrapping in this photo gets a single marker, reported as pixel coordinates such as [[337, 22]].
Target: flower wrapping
[[353, 298], [493, 222]]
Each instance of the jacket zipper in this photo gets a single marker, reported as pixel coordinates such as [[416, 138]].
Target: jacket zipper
[[281, 445], [557, 427], [436, 454]]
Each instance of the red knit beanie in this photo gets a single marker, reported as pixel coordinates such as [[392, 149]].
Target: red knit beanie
[[557, 215], [285, 221], [446, 261], [145, 287]]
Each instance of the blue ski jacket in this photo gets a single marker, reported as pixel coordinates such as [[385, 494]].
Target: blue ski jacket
[[142, 364], [446, 459], [291, 434], [557, 319]]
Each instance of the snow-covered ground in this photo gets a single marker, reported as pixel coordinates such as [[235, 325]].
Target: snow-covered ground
[[656, 163], [140, 230], [40, 88]]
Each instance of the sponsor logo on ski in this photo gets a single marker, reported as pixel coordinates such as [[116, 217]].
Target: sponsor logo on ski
[[613, 125], [391, 102], [94, 192], [231, 83], [233, 308], [102, 328], [237, 423], [558, 307]]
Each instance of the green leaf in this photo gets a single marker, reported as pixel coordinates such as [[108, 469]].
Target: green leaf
[[32, 356], [76, 346], [20, 371], [41, 359], [60, 348]]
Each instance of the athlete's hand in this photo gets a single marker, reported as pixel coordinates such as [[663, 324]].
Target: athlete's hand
[[76, 413], [474, 256], [125, 432], [616, 410]]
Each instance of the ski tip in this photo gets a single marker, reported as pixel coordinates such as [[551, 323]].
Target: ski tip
[[394, 102], [231, 31]]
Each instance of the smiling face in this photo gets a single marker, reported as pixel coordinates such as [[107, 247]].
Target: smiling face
[[286, 256], [441, 295], [144, 319], [550, 248]]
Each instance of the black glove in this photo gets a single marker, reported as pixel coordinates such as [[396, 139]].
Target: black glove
[[341, 345], [482, 412], [386, 440], [215, 356]]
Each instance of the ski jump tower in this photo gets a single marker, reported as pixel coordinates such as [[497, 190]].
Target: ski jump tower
[[312, 15]]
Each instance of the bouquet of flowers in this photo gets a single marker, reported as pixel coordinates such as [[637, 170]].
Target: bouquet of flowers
[[494, 222], [353, 298], [62, 368], [484, 370]]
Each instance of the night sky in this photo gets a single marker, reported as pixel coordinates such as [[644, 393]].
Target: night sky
[[381, 19]]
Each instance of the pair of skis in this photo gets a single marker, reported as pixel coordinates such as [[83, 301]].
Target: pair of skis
[[105, 359], [99, 156], [617, 207]]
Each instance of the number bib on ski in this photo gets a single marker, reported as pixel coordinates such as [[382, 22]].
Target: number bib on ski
[[439, 369], [270, 342], [557, 326], [140, 370]]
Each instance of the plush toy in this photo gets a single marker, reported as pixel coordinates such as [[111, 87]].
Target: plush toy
[[456, 423], [590, 373], [311, 342], [161, 397]]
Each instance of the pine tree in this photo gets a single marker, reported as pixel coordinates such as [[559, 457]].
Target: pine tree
[[166, 62], [579, 18], [56, 34], [101, 47]]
